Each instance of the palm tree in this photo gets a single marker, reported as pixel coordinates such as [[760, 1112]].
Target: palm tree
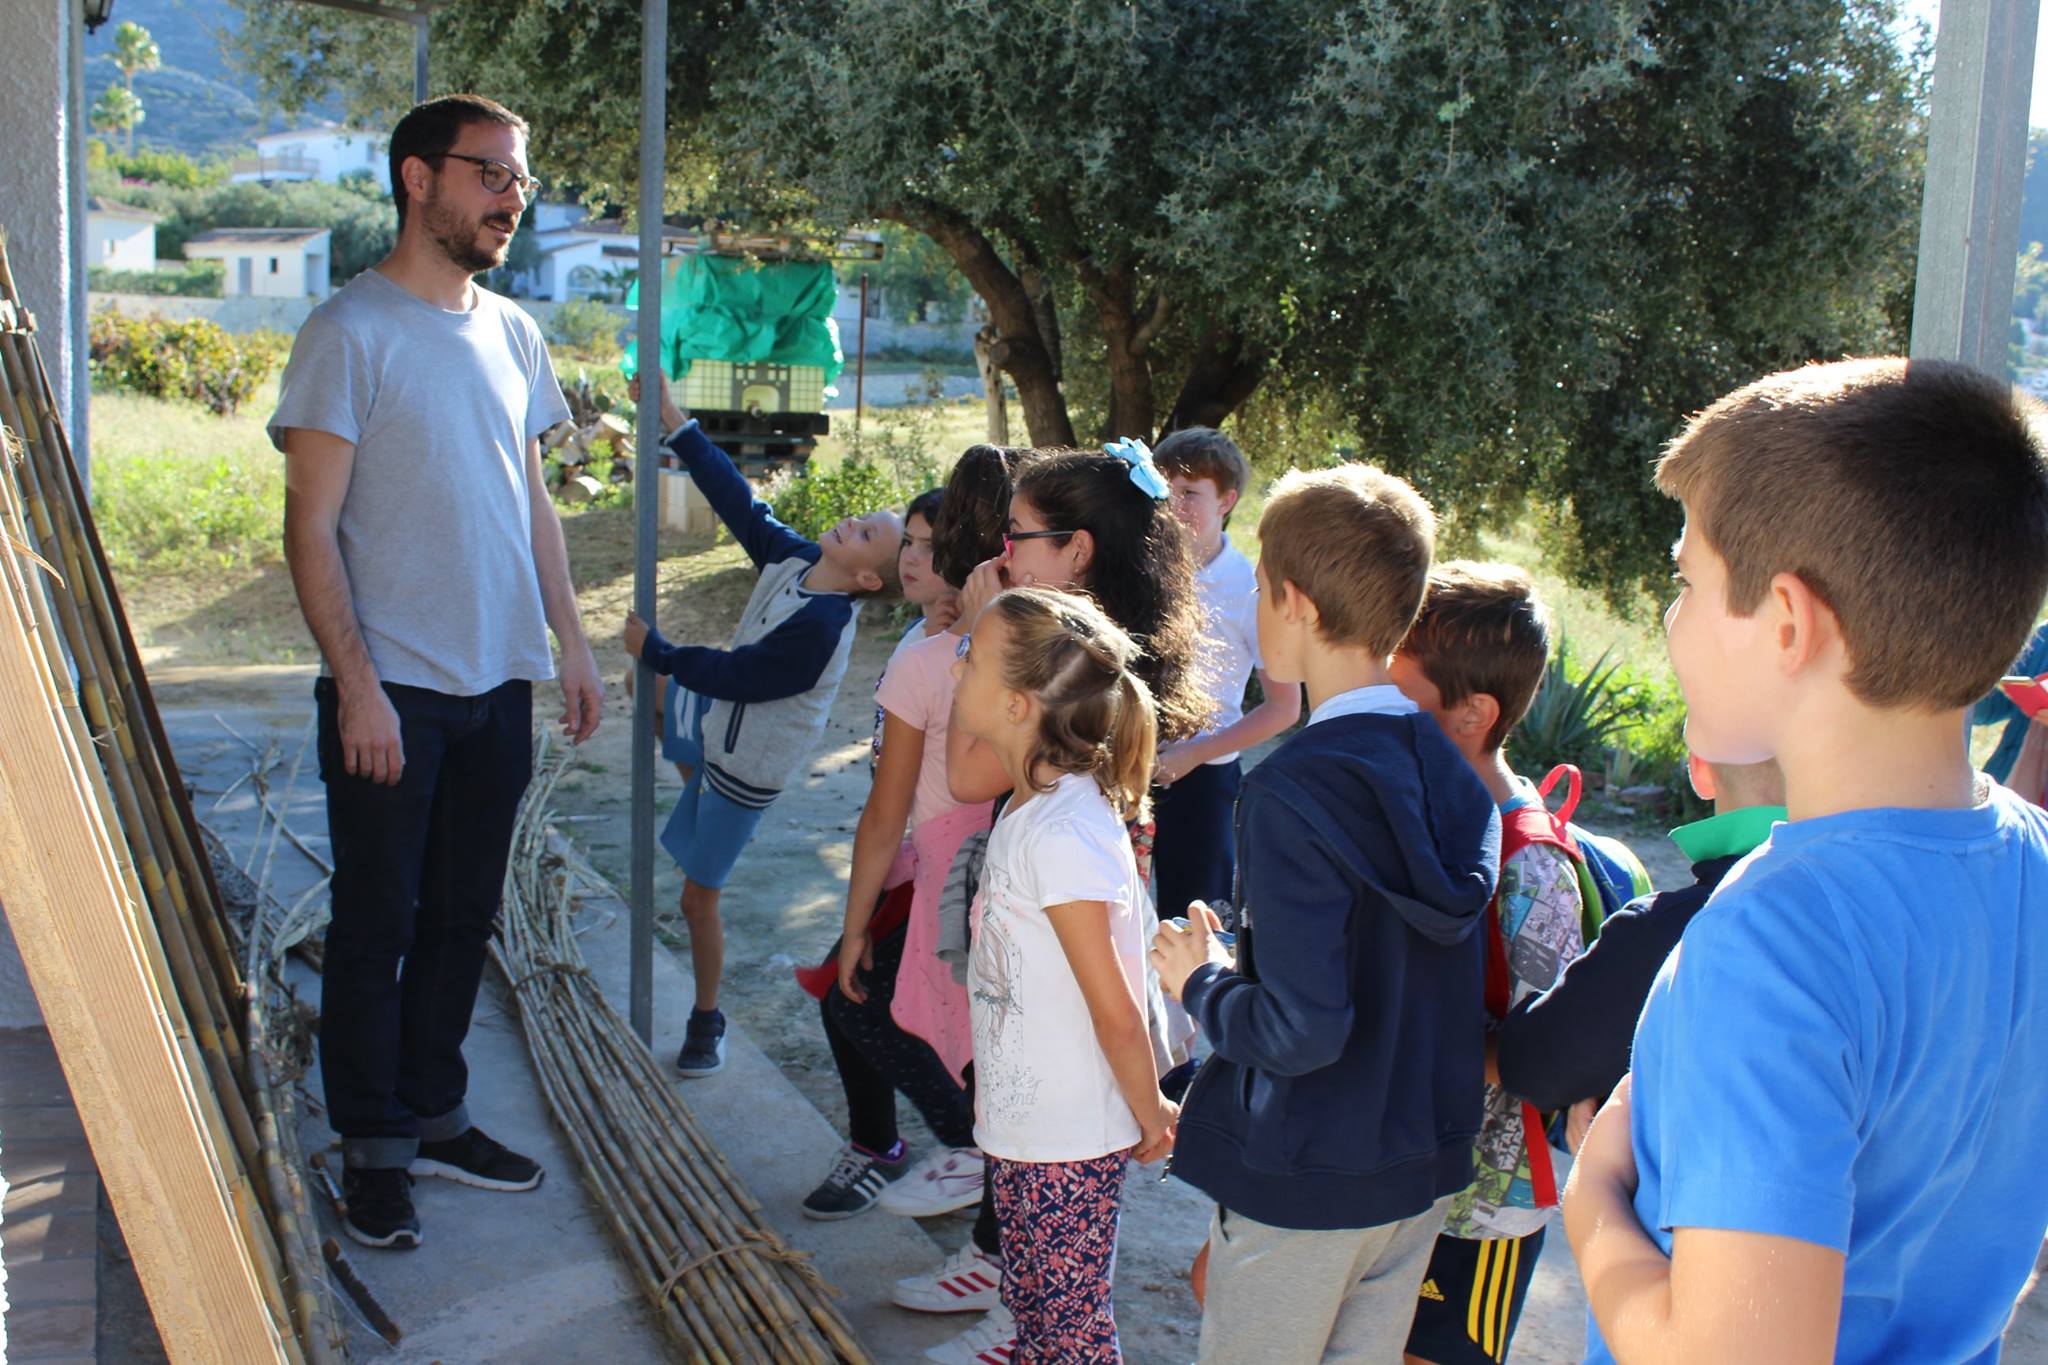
[[117, 110], [134, 50]]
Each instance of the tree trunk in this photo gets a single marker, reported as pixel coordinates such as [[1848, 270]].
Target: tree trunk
[[992, 387], [1130, 370], [1225, 373], [1021, 348]]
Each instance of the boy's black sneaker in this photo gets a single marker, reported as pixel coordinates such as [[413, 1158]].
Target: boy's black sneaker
[[703, 1051], [474, 1158], [856, 1180], [379, 1207]]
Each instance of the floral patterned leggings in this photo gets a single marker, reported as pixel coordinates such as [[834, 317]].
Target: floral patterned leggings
[[1058, 1222]]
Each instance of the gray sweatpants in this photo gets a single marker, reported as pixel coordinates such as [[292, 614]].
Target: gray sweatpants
[[1280, 1296]]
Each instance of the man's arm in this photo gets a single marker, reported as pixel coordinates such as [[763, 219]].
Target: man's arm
[[582, 691], [1721, 1295], [317, 466]]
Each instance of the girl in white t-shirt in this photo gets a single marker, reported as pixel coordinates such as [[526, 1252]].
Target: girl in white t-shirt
[[1066, 1088]]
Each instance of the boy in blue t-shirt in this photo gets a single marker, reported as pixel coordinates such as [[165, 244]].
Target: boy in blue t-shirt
[[1830, 1145]]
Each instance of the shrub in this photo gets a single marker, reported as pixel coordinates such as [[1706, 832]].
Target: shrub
[[180, 512], [1579, 713], [586, 327], [812, 502], [193, 359], [197, 280]]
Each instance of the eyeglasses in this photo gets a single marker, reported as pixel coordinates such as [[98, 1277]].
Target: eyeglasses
[[1010, 538], [496, 175]]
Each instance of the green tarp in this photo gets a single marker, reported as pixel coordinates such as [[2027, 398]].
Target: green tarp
[[730, 308]]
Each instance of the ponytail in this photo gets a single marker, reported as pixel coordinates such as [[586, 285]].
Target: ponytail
[[1095, 713]]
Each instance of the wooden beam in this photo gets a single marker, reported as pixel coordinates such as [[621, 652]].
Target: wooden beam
[[61, 883], [1976, 162]]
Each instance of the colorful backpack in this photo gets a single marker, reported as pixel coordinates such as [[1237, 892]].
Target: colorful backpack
[[1609, 875]]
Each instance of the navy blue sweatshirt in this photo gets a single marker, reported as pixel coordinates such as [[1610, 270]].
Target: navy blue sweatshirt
[[1572, 1042], [1348, 1059]]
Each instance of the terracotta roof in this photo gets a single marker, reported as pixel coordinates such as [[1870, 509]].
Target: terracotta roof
[[280, 236], [100, 204]]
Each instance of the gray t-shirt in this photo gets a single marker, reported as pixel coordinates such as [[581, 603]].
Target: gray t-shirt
[[435, 529]]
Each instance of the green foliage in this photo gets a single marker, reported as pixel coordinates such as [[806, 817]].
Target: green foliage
[[1504, 249], [814, 501], [182, 512], [194, 359], [117, 110], [173, 169], [364, 229], [1608, 718], [195, 280], [586, 327], [918, 280]]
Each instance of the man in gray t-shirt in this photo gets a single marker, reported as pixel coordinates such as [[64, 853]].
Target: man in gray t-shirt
[[430, 566]]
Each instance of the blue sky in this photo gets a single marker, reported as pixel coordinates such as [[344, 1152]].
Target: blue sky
[[1923, 11]]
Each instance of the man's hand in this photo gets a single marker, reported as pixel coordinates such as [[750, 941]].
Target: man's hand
[[1157, 1132], [371, 746], [636, 634], [582, 692], [1175, 762], [941, 614], [671, 415], [1176, 952]]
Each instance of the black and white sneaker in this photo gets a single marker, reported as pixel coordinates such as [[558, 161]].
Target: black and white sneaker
[[856, 1179], [474, 1158], [378, 1207], [703, 1051]]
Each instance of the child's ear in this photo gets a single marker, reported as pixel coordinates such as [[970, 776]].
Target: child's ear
[[1297, 607], [1082, 551], [1476, 715], [868, 580], [1702, 774], [1226, 503], [1802, 626]]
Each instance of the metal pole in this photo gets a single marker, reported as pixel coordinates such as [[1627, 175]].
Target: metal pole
[[1976, 162], [646, 492], [860, 356], [419, 59]]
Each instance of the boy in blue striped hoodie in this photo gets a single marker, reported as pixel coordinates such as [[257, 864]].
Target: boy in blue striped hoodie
[[742, 721]]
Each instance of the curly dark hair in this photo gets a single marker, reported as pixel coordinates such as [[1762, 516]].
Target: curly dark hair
[[1142, 573], [975, 511]]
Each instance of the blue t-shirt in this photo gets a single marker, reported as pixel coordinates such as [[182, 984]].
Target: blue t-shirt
[[1849, 1047]]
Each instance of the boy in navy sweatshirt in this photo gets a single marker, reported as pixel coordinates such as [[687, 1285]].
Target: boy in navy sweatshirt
[[1336, 1118], [743, 720]]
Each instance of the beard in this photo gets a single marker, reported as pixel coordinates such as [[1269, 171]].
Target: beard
[[460, 238]]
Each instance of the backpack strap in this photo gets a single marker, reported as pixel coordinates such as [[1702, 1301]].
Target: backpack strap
[[1532, 824], [1575, 786]]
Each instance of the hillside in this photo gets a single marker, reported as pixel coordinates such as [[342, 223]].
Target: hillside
[[196, 102]]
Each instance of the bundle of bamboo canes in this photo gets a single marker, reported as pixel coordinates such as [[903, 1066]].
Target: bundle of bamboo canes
[[727, 1289], [217, 1014]]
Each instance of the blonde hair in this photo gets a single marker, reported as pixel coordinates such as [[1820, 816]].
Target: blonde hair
[[1095, 713], [1356, 541]]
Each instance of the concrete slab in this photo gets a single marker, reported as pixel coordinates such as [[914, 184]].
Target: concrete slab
[[49, 1199], [535, 1277]]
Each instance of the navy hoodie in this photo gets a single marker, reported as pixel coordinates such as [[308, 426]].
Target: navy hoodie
[[1348, 1062]]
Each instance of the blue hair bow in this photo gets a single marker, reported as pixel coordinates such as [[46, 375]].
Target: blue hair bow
[[1144, 474]]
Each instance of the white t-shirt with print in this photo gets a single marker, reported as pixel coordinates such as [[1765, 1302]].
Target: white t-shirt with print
[[1044, 1090]]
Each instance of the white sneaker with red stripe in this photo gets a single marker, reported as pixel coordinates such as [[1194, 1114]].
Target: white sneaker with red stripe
[[967, 1283], [992, 1342], [950, 1178]]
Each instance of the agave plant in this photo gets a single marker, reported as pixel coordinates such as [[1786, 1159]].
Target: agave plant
[[1578, 716]]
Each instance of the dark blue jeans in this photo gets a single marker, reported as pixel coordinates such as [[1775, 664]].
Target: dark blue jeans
[[1194, 855], [419, 868]]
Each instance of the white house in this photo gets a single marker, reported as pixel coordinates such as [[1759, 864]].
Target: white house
[[577, 258], [278, 263], [324, 153], [119, 236]]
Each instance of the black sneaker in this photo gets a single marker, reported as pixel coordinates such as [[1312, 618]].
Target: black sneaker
[[856, 1179], [703, 1051], [378, 1207], [474, 1158]]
